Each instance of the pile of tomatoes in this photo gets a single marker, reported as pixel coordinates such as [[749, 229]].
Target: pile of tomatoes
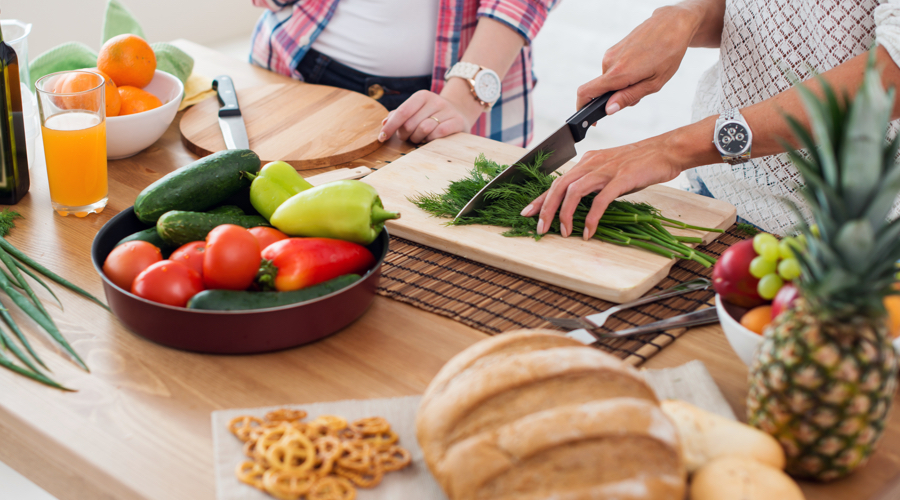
[[229, 259]]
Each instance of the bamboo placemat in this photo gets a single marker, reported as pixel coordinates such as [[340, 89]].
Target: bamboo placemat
[[495, 301]]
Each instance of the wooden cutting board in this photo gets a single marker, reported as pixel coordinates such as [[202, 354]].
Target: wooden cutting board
[[308, 126], [610, 272]]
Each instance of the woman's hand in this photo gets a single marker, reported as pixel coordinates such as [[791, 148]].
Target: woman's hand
[[647, 58], [425, 116], [614, 172]]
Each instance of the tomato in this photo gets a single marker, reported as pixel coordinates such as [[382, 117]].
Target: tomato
[[267, 235], [127, 260], [191, 254], [168, 282], [232, 258]]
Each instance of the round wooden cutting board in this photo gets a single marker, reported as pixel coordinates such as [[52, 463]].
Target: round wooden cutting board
[[308, 126]]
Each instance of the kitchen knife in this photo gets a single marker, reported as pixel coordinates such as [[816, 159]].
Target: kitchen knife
[[230, 120], [560, 145], [696, 318]]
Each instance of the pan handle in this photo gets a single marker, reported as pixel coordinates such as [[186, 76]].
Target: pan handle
[[588, 115]]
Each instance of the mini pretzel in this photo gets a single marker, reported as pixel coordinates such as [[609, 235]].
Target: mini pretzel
[[356, 455], [394, 458], [285, 415], [285, 486], [249, 448], [250, 473], [243, 426], [333, 422], [371, 425], [382, 441], [332, 488], [363, 478], [294, 453]]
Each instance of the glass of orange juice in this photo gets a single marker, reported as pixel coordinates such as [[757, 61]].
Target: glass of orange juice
[[73, 125]]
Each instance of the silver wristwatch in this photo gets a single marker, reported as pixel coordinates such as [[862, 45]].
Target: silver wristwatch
[[733, 137], [483, 82]]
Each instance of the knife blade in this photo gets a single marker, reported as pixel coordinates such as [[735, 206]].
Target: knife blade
[[230, 120], [696, 318], [560, 145]]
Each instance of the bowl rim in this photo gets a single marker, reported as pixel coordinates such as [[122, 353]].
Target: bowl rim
[[164, 107], [99, 269]]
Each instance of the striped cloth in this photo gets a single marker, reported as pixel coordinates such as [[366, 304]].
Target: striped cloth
[[285, 32]]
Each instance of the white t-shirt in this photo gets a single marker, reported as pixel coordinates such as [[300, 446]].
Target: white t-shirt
[[382, 37]]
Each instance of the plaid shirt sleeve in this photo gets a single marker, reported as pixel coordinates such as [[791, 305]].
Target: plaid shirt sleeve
[[526, 17], [274, 4]]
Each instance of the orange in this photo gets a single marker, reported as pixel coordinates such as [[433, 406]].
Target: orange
[[892, 304], [128, 59], [135, 100], [757, 319], [73, 83], [113, 103]]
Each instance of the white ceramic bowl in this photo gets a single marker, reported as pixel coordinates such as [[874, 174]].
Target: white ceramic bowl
[[743, 341], [130, 134]]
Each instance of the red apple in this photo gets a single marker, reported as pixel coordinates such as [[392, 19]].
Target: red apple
[[784, 299], [732, 279]]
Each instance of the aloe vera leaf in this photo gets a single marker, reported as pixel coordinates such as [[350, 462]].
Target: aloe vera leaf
[[36, 376], [11, 265], [37, 278], [6, 245], [45, 322]]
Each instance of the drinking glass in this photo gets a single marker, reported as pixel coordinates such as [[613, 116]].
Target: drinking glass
[[73, 124]]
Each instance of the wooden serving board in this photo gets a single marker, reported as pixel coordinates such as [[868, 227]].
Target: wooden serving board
[[603, 270], [308, 126]]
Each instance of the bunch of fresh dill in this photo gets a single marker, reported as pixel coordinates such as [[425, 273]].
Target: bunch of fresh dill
[[623, 223]]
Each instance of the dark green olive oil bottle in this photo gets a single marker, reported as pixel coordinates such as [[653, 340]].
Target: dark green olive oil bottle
[[14, 181]]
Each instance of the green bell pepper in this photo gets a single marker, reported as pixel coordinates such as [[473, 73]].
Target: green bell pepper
[[275, 183], [344, 210]]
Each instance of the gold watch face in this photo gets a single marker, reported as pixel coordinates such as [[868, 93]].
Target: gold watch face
[[487, 86]]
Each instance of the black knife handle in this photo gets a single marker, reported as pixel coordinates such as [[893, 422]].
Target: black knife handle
[[593, 111], [224, 88]]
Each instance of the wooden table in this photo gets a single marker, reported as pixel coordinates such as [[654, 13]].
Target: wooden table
[[139, 425]]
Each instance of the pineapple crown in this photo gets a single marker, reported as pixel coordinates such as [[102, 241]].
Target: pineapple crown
[[851, 182]]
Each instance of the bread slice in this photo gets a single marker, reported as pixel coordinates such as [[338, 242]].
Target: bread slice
[[706, 436], [617, 448], [502, 388]]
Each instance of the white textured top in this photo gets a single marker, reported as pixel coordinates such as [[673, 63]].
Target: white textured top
[[382, 37], [761, 39]]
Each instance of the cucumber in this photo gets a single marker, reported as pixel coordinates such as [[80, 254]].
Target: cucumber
[[227, 210], [150, 236], [177, 228], [230, 300], [197, 186]]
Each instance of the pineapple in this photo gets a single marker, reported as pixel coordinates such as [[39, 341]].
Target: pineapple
[[824, 377]]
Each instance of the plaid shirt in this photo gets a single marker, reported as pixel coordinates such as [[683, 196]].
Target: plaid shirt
[[285, 32]]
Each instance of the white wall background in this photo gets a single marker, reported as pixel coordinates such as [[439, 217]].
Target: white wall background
[[60, 21]]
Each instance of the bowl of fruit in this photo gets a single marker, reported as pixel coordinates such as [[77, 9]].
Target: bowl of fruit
[[141, 101], [754, 283]]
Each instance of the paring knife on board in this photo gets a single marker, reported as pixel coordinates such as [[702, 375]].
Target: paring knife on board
[[230, 120], [561, 145], [702, 317]]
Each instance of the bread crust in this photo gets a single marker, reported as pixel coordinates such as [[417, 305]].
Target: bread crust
[[742, 478]]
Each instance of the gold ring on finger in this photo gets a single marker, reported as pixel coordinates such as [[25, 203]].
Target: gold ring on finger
[[435, 119]]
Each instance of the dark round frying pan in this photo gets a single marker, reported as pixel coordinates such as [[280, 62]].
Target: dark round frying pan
[[233, 332]]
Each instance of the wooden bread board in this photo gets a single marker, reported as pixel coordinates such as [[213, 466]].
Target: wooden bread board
[[602, 270], [308, 126]]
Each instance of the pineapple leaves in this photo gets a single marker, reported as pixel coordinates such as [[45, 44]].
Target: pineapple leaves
[[821, 120], [854, 239], [863, 142]]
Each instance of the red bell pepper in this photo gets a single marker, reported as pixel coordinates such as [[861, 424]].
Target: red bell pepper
[[297, 263]]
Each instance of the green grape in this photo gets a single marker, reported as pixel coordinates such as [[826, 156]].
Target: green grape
[[814, 229], [769, 251], [762, 239], [760, 266], [789, 269], [769, 285], [786, 247]]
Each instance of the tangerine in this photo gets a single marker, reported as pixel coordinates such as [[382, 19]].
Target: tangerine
[[113, 103], [128, 59], [892, 304], [73, 83], [135, 100], [757, 319]]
